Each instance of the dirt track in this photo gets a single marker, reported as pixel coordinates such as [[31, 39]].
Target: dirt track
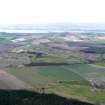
[[8, 81]]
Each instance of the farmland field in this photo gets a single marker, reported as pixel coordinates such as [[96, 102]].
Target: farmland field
[[69, 80], [67, 65]]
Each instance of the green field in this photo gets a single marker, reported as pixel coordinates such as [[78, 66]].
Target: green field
[[69, 80], [102, 62], [44, 74]]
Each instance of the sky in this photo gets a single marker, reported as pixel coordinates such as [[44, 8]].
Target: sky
[[51, 11]]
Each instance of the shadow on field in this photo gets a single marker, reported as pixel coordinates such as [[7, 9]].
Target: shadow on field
[[24, 97]]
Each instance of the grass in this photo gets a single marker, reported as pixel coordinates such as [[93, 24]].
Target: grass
[[81, 92], [58, 73], [73, 79], [41, 74], [101, 63], [30, 76], [87, 71]]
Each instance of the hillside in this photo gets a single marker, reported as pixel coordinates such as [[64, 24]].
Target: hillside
[[24, 97]]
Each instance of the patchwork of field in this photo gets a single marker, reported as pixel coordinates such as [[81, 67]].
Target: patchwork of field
[[69, 80], [67, 65]]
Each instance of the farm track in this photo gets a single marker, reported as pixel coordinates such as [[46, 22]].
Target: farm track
[[8, 81]]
